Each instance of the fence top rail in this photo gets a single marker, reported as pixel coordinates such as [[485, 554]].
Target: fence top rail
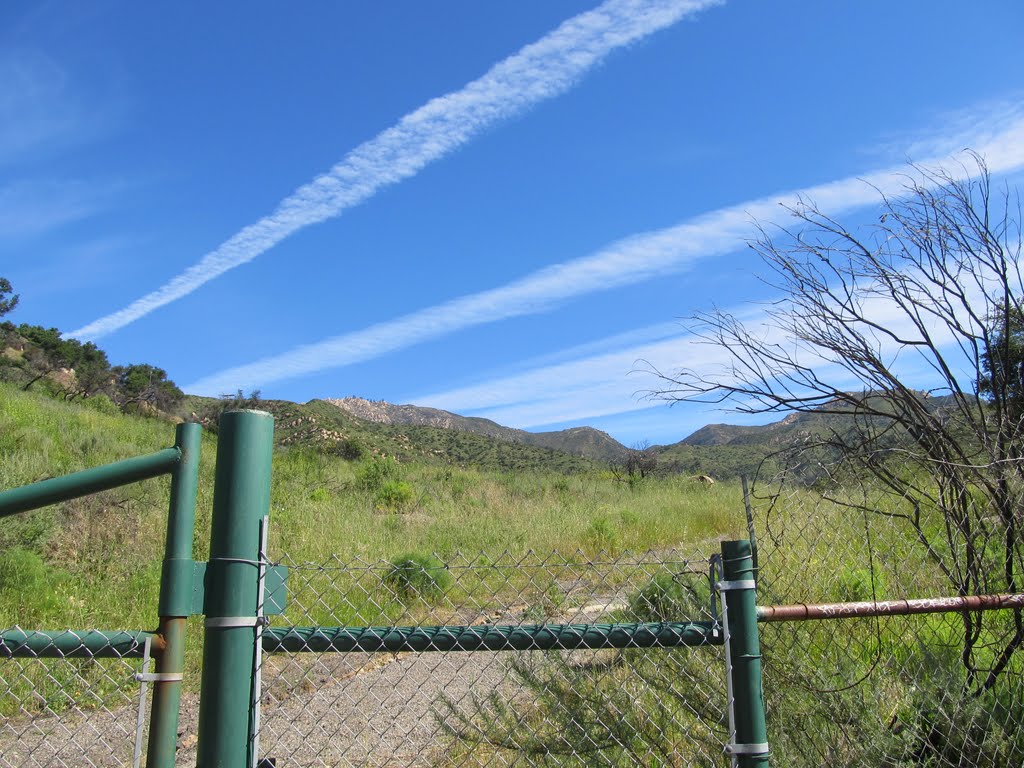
[[490, 637], [88, 481], [821, 611], [74, 644]]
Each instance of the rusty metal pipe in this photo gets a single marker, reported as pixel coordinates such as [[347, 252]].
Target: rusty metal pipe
[[821, 611], [175, 601]]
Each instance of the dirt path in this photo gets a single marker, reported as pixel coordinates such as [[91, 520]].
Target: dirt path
[[349, 709]]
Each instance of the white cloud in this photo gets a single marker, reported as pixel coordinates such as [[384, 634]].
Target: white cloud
[[539, 71], [34, 207], [601, 385], [626, 262]]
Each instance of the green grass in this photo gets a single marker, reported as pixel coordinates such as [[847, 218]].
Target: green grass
[[95, 562]]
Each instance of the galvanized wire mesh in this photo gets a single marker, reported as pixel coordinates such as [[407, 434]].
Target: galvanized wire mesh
[[635, 706], [68, 711], [896, 691]]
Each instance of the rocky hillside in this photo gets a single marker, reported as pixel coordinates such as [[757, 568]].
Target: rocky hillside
[[587, 442]]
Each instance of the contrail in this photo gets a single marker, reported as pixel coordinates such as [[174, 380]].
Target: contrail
[[626, 262], [539, 71]]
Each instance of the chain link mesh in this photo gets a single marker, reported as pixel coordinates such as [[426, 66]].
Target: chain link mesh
[[68, 711], [929, 690], [649, 706], [894, 691]]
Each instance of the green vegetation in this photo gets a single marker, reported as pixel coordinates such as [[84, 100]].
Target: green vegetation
[[418, 576], [95, 562]]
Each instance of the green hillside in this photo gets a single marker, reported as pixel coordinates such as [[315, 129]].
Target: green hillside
[[95, 561], [326, 428]]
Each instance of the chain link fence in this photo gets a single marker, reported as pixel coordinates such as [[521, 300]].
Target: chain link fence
[[64, 707], [944, 689], [634, 706], [921, 690]]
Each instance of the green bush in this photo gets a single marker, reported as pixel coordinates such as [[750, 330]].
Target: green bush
[[373, 474], [394, 496], [26, 585], [669, 597], [102, 403], [855, 585], [416, 575], [22, 571], [350, 450], [601, 535]]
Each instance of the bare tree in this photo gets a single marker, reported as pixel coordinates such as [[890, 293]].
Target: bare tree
[[639, 462], [935, 284]]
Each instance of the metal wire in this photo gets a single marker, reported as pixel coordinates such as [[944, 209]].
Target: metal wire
[[651, 706]]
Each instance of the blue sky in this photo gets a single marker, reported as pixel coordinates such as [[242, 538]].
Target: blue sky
[[495, 209]]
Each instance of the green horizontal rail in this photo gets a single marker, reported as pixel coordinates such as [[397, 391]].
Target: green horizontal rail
[[515, 637], [88, 481], [68, 643]]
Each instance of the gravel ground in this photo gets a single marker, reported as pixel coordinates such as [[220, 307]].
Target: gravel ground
[[318, 710], [352, 709]]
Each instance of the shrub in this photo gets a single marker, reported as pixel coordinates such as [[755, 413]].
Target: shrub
[[21, 571], [855, 585], [27, 585], [394, 495], [669, 597], [373, 474], [601, 535], [102, 403], [350, 449], [416, 575]]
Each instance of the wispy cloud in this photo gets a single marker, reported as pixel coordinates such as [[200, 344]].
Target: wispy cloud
[[42, 108], [617, 381], [539, 71], [629, 261], [29, 208]]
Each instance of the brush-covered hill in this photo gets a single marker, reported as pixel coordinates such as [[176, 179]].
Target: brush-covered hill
[[325, 427], [586, 442], [727, 450]]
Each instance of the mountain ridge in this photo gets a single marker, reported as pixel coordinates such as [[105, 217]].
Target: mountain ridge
[[586, 442]]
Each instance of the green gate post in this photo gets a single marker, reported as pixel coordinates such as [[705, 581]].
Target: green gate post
[[241, 499], [750, 746], [175, 600]]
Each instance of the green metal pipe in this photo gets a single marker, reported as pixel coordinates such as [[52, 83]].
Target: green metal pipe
[[88, 481], [751, 738], [69, 643], [241, 498], [175, 599], [516, 637]]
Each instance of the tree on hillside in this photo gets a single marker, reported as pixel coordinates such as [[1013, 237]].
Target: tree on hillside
[[936, 285], [8, 299], [46, 351], [1002, 378], [145, 384]]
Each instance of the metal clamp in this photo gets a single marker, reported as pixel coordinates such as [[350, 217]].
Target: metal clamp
[[747, 749], [160, 677], [230, 622], [725, 586]]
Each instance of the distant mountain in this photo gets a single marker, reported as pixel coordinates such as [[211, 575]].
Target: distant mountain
[[725, 450], [324, 427], [585, 442], [794, 425]]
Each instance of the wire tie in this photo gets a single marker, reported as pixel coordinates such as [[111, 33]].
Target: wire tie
[[726, 586], [747, 749], [229, 622], [159, 677]]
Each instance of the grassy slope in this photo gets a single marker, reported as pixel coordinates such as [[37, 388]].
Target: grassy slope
[[322, 425], [96, 561]]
